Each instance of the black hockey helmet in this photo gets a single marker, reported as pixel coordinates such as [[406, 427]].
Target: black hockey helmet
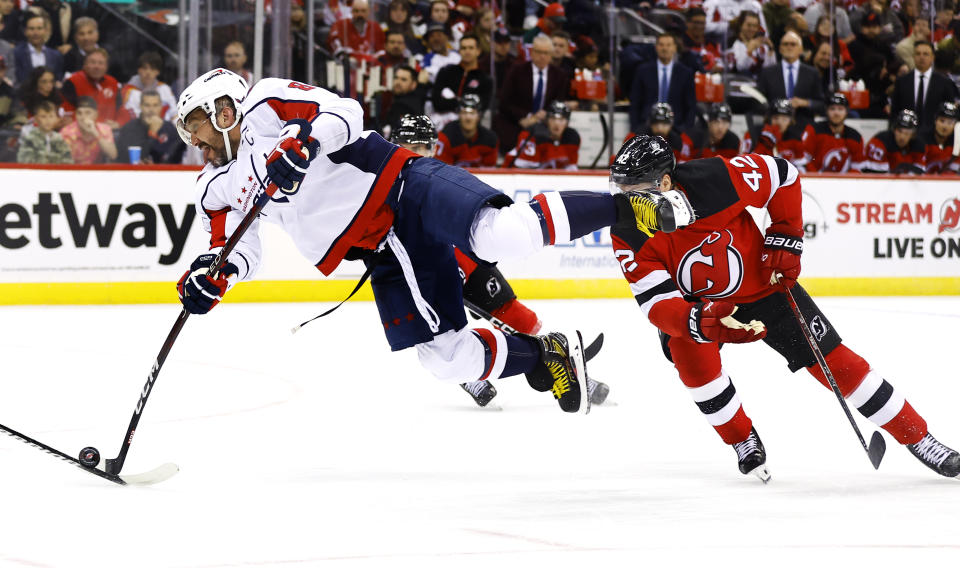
[[781, 106], [949, 109], [906, 118], [661, 112], [719, 111], [415, 129], [838, 99], [641, 159], [558, 109], [469, 101]]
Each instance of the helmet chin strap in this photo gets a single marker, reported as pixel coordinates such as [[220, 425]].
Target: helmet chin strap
[[225, 132]]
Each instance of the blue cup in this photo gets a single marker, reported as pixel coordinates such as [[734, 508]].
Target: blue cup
[[134, 154]]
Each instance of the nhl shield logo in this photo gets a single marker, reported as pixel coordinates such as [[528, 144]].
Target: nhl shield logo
[[714, 269]]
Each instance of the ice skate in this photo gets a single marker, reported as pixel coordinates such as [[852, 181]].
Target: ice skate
[[562, 370], [655, 211], [596, 391], [936, 456], [482, 392], [751, 457]]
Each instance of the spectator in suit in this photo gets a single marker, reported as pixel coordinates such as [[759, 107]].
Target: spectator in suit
[[157, 138], [86, 34], [33, 52], [665, 81], [793, 80], [923, 90], [526, 92]]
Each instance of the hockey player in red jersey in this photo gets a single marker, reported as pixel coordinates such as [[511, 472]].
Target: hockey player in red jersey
[[465, 142], [553, 145], [834, 146], [898, 150], [718, 140], [782, 136], [484, 285], [720, 280], [938, 143]]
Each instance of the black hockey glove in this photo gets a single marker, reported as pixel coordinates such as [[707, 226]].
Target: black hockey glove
[[198, 292], [287, 163]]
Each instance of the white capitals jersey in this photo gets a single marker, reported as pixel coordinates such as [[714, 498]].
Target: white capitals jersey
[[340, 204]]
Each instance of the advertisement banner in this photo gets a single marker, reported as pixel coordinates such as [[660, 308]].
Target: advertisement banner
[[116, 225]]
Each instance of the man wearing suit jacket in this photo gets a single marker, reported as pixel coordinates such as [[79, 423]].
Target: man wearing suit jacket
[[528, 89], [33, 53], [792, 80], [922, 90], [663, 81]]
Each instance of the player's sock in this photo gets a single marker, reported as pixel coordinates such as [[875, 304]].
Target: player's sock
[[720, 405], [506, 355], [875, 398]]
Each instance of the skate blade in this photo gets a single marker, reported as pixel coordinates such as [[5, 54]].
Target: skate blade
[[762, 473]]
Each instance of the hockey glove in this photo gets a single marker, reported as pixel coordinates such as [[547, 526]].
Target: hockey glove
[[714, 321], [781, 259], [287, 163], [198, 292]]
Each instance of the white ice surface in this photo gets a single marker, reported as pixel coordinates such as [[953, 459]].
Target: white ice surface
[[325, 449]]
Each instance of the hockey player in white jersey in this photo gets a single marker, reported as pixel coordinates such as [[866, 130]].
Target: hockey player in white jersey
[[345, 193]]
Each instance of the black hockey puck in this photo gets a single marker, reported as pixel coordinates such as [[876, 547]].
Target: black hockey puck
[[89, 457]]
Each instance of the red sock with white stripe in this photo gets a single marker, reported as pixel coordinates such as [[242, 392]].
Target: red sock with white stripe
[[568, 215], [875, 398]]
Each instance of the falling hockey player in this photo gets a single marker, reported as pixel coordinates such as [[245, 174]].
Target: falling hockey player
[[692, 283], [484, 285], [345, 193]]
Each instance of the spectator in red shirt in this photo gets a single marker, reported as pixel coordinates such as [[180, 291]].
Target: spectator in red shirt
[[695, 40], [394, 51], [897, 150], [938, 143], [835, 147], [91, 142], [358, 33], [551, 146], [94, 82], [464, 142]]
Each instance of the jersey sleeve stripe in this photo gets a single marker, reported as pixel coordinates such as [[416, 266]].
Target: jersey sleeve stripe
[[288, 110], [218, 226], [561, 224], [540, 207], [657, 281]]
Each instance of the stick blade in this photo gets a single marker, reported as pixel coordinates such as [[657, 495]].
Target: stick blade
[[591, 351], [878, 446], [155, 475]]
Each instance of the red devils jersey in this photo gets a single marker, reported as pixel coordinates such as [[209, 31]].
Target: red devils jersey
[[727, 147], [455, 148], [883, 155], [538, 150], [835, 152], [719, 255], [793, 145], [938, 155]]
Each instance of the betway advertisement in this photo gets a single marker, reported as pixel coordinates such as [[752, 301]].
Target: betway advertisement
[[118, 225]]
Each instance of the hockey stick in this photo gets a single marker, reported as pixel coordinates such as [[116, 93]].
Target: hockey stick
[[156, 475], [113, 466], [877, 445], [589, 352]]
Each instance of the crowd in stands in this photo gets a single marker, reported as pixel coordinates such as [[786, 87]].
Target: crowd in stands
[[466, 64]]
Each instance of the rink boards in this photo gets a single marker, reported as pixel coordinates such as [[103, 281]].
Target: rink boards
[[123, 235]]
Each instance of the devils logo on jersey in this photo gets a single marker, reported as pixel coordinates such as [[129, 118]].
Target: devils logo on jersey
[[712, 270]]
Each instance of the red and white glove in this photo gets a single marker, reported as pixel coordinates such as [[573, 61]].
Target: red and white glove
[[287, 163], [781, 259], [714, 321]]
